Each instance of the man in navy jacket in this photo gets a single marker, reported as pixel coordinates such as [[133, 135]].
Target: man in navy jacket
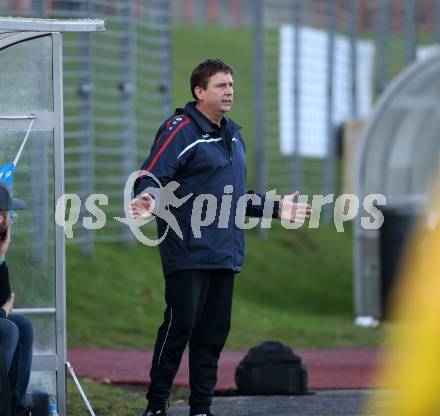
[[202, 151]]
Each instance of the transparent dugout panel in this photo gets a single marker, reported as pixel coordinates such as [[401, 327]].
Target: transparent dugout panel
[[44, 333], [26, 76], [402, 154], [31, 256], [43, 381]]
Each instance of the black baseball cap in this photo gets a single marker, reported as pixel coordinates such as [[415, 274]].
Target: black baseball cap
[[7, 202]]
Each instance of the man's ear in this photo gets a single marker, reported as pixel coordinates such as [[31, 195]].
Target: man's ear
[[199, 92]]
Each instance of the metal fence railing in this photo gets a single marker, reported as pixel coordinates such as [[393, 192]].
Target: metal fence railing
[[312, 65], [302, 69], [117, 89]]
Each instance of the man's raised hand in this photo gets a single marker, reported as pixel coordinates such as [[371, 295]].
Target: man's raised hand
[[291, 211]]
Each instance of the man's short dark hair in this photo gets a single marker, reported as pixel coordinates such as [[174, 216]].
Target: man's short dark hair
[[206, 69]]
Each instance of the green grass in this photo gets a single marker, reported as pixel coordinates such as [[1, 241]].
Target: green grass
[[296, 285], [104, 399], [294, 288], [112, 400]]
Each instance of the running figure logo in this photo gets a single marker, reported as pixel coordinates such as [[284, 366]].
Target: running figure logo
[[164, 198]]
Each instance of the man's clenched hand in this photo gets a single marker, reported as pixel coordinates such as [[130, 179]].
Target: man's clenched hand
[[143, 206], [9, 304]]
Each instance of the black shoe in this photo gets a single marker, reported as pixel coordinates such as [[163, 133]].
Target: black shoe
[[160, 412], [207, 413]]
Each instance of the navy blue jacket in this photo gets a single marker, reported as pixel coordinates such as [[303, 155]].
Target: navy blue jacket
[[188, 149]]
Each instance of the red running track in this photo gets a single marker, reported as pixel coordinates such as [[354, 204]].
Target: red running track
[[328, 369]]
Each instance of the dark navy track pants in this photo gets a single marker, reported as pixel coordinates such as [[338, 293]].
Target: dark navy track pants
[[198, 314]]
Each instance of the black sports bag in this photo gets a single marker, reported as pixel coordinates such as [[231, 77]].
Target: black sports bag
[[271, 368]]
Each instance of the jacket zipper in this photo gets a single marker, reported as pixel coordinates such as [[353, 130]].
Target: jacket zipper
[[233, 190]]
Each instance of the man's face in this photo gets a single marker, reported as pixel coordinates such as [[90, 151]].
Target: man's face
[[5, 220], [219, 93]]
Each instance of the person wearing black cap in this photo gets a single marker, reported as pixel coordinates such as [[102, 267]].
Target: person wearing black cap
[[16, 333]]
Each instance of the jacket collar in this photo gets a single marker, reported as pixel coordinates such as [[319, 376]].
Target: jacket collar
[[205, 125]]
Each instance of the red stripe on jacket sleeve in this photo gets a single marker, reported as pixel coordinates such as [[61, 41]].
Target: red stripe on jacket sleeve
[[164, 146], [160, 137]]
